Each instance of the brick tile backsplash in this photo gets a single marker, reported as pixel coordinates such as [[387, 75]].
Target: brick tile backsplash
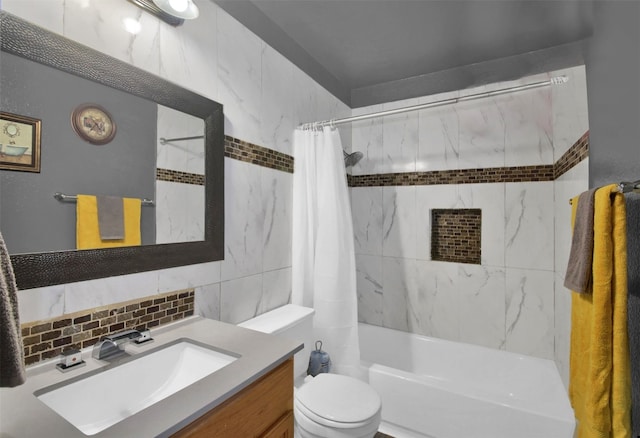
[[251, 153], [455, 235], [544, 172], [574, 155], [177, 176], [47, 339], [259, 155]]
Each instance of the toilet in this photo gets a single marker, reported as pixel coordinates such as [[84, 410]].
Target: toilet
[[328, 405]]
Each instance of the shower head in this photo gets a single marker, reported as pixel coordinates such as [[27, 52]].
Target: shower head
[[352, 159]]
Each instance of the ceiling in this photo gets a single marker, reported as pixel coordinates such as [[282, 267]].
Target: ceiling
[[372, 51]]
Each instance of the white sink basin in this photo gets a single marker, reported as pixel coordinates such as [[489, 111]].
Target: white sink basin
[[101, 399]]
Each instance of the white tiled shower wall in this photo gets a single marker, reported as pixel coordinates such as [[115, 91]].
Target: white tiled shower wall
[[264, 98], [514, 300]]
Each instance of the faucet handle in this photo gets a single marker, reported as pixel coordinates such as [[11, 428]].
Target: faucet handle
[[70, 359]]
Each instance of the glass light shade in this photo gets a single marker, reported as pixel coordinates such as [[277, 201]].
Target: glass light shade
[[185, 9]]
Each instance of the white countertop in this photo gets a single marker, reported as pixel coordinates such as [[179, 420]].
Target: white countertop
[[23, 415]]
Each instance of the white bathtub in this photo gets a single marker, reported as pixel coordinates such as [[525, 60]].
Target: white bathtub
[[441, 389]]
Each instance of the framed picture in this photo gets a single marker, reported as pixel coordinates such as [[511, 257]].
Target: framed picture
[[19, 143]]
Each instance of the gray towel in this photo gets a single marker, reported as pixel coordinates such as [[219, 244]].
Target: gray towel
[[110, 217], [11, 349], [578, 277], [633, 304]]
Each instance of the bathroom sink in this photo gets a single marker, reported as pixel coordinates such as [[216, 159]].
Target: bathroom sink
[[100, 399]]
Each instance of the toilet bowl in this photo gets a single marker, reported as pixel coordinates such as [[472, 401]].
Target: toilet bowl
[[328, 405], [331, 405]]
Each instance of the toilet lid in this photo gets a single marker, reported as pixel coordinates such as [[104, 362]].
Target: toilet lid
[[339, 398]]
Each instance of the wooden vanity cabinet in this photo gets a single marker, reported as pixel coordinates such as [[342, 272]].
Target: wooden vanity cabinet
[[263, 409]]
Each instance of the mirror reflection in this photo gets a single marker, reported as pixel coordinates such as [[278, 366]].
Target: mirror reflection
[[180, 193], [133, 163], [37, 269]]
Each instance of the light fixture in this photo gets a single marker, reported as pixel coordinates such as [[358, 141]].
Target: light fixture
[[185, 9], [173, 12]]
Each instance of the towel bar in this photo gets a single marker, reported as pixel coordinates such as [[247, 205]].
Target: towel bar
[[73, 198], [168, 140], [626, 187]]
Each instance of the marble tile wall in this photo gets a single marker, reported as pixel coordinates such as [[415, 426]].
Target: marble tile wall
[[179, 207], [570, 110], [264, 98], [467, 135], [513, 300], [401, 287]]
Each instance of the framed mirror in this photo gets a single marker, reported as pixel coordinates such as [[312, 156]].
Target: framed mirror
[[38, 269]]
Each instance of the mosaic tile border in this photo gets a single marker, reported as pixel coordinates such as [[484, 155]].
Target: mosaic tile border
[[252, 153], [47, 339], [262, 156], [458, 176], [574, 155], [177, 176], [456, 235], [546, 172]]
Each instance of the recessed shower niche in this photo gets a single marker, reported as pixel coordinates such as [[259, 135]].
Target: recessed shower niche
[[455, 235]]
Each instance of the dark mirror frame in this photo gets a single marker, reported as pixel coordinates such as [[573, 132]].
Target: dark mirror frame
[[45, 269]]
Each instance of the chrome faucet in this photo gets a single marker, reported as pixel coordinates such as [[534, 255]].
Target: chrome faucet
[[113, 345]]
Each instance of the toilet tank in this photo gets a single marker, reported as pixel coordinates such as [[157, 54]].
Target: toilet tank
[[290, 321]]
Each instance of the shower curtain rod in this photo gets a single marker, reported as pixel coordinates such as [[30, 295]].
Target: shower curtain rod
[[553, 81]]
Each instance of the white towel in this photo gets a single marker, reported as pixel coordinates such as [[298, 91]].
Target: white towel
[[11, 350]]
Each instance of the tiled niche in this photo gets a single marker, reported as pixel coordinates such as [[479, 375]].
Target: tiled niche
[[455, 235]]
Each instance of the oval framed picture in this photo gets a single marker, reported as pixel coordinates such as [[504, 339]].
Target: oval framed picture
[[93, 124]]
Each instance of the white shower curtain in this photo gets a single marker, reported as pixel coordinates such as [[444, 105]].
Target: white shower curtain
[[323, 265]]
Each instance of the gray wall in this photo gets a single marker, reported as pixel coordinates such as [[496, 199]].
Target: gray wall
[[30, 218], [613, 89]]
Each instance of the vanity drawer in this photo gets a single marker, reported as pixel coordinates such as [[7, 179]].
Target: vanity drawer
[[283, 428]]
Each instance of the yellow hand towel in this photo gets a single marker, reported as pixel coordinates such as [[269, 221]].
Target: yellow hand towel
[[88, 231], [600, 378]]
